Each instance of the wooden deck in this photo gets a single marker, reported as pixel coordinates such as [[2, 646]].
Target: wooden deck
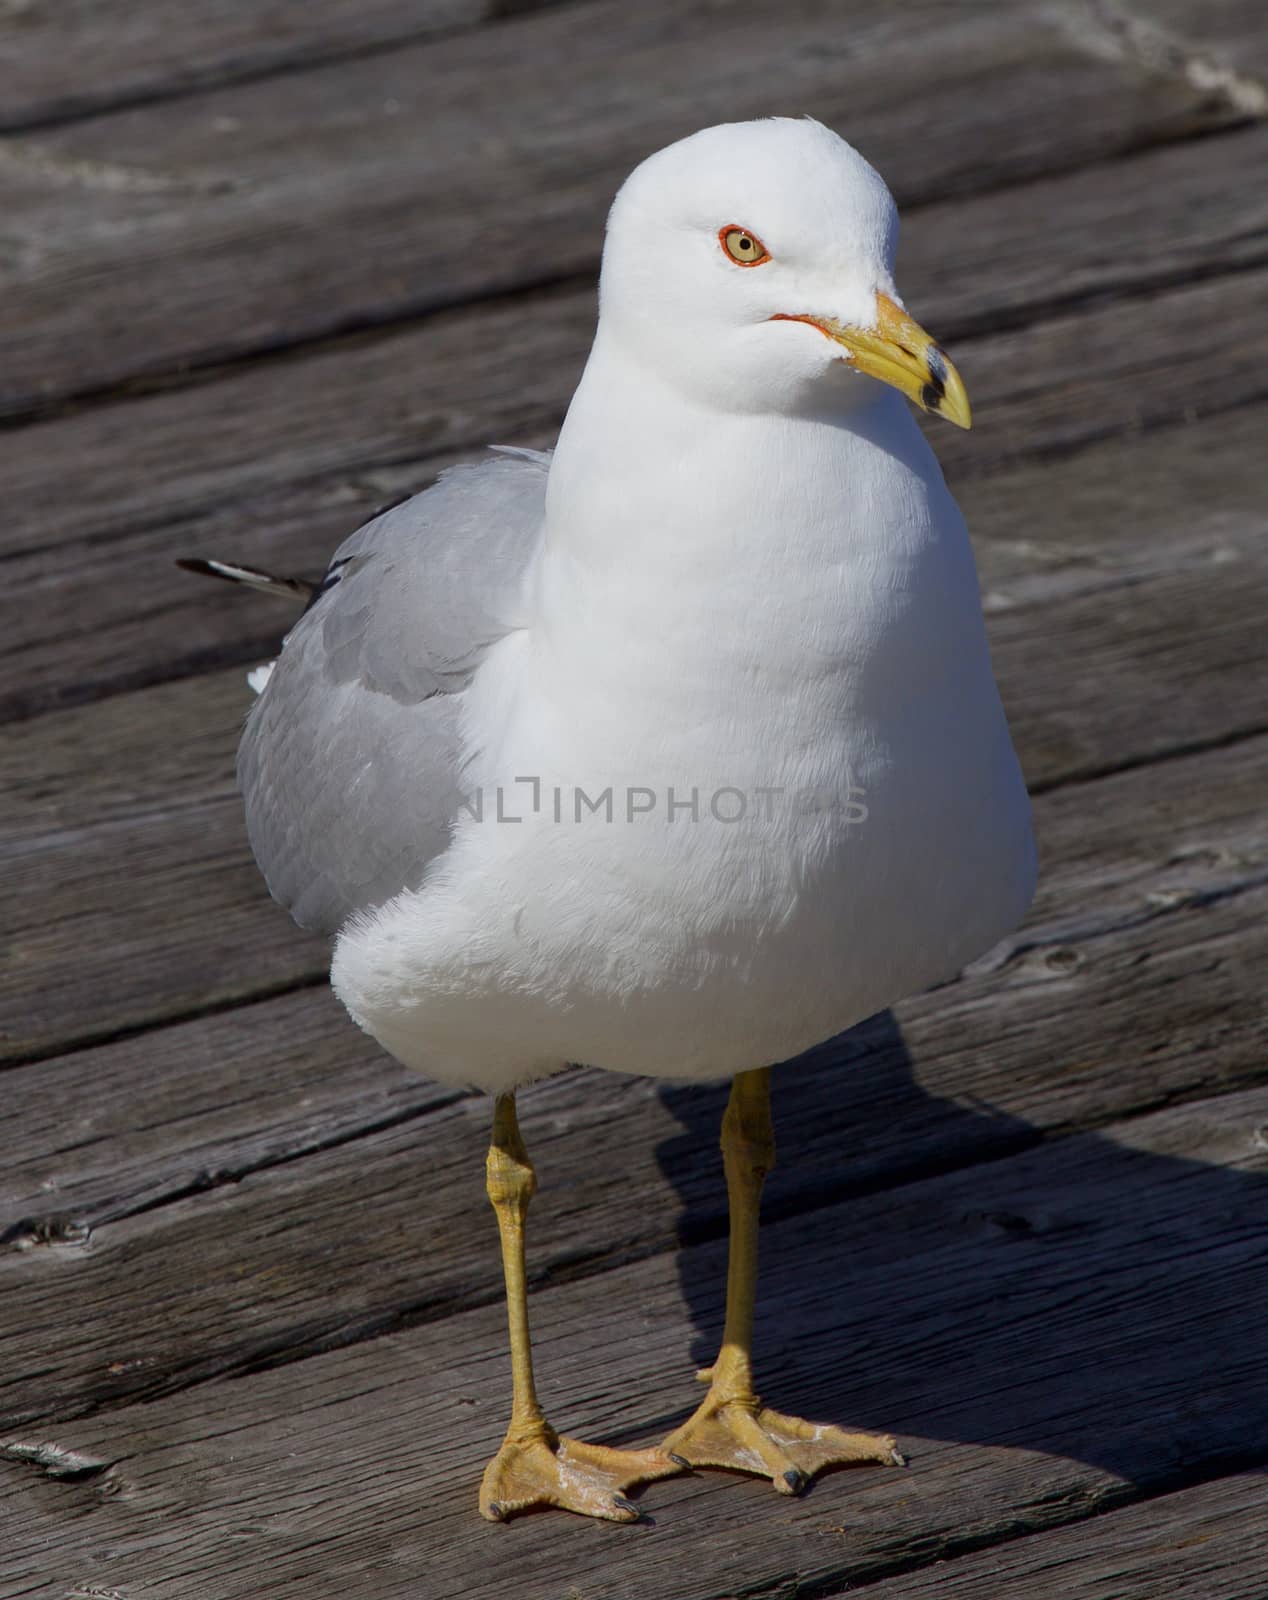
[[262, 267]]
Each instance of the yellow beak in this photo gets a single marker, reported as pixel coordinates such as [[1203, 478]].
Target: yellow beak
[[898, 351]]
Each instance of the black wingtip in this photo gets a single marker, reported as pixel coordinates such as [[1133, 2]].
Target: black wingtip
[[204, 569], [248, 577]]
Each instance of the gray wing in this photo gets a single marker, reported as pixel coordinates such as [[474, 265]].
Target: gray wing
[[350, 760]]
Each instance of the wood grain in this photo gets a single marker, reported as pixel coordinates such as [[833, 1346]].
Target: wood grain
[[1130, 985], [118, 1129], [287, 210], [82, 60], [1051, 1335], [149, 918], [1191, 1545], [87, 57]]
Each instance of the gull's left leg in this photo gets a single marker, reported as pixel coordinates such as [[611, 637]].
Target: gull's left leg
[[731, 1427], [535, 1465]]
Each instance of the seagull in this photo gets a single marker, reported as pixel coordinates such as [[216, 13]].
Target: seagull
[[674, 752]]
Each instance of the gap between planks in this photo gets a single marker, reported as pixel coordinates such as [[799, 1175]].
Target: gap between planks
[[200, 64], [1190, 1543]]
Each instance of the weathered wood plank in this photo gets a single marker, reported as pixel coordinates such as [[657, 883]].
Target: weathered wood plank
[[1122, 368], [1132, 984], [153, 916], [87, 58], [295, 208], [1099, 680], [1191, 1545], [278, 463], [80, 60], [1049, 1335], [111, 1131]]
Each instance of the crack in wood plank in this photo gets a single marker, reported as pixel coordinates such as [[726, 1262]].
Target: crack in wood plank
[[53, 1460]]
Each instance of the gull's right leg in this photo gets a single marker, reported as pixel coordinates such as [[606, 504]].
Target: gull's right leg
[[535, 1465]]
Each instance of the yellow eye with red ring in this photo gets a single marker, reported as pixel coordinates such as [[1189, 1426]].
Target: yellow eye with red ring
[[743, 246]]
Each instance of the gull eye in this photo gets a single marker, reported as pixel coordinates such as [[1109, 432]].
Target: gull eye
[[743, 247]]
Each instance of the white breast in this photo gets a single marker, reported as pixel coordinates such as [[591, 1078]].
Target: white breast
[[763, 783]]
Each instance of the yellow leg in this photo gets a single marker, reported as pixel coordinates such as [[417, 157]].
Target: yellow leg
[[535, 1466], [731, 1427]]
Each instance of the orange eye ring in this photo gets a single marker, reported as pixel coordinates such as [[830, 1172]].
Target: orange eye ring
[[742, 246]]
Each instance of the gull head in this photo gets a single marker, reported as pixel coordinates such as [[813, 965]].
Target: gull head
[[751, 266]]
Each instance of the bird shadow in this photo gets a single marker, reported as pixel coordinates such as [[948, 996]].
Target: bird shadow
[[1076, 1295]]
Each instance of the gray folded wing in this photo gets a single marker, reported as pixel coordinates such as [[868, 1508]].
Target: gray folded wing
[[350, 763]]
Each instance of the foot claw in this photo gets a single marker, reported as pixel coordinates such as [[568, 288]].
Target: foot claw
[[549, 1471], [741, 1435]]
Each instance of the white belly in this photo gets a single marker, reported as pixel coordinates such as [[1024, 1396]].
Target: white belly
[[650, 910], [830, 678]]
